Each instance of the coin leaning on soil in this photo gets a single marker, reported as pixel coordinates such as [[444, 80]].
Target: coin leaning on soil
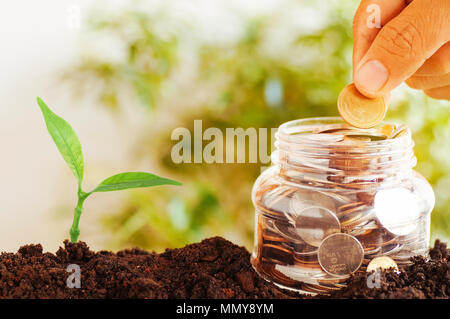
[[359, 110], [383, 262]]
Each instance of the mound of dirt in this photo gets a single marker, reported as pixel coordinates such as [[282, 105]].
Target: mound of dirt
[[213, 268]]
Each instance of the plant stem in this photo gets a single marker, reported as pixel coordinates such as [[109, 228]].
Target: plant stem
[[74, 230]]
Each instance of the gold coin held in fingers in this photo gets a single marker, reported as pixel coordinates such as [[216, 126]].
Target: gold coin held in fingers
[[358, 110], [383, 262], [340, 254]]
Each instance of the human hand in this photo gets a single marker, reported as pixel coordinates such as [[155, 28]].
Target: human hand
[[412, 45]]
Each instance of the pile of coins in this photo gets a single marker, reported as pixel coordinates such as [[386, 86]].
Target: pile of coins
[[319, 221]]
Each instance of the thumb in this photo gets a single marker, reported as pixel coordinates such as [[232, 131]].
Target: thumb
[[402, 46]]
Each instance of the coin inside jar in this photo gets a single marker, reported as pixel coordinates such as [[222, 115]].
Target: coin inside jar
[[356, 139], [388, 129], [303, 199], [288, 231], [340, 254], [365, 137], [315, 223], [383, 262]]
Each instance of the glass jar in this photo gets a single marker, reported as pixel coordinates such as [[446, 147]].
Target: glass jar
[[336, 197]]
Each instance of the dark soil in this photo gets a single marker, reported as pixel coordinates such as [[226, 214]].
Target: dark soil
[[213, 268], [424, 278]]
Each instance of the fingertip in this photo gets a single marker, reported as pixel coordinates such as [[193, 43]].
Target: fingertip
[[371, 77]]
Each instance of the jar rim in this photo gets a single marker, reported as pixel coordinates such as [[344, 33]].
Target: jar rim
[[328, 145]]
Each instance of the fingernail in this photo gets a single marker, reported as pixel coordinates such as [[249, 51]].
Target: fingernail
[[371, 76]]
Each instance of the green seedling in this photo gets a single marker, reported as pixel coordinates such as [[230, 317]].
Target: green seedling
[[69, 146]]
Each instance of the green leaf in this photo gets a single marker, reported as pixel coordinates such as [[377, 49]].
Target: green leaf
[[132, 180], [65, 139]]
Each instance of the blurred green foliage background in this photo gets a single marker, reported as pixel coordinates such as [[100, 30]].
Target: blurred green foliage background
[[273, 71]]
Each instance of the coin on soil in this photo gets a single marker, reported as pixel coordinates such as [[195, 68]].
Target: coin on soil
[[340, 254], [358, 110], [383, 262]]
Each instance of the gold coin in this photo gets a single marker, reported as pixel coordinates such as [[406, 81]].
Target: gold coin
[[383, 262], [357, 139], [340, 254], [388, 129], [358, 110], [366, 137]]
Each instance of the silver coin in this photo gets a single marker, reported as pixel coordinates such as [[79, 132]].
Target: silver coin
[[276, 202], [303, 199], [288, 231], [300, 200], [304, 274], [300, 248], [392, 249], [314, 223], [340, 254]]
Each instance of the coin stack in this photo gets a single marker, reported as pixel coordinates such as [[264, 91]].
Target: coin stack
[[317, 225]]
